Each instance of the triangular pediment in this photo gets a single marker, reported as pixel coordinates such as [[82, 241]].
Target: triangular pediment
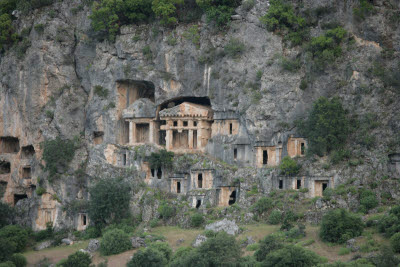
[[187, 109]]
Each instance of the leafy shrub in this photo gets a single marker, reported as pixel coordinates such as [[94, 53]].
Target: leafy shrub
[[219, 11], [364, 9], [390, 224], [7, 35], [344, 251], [281, 15], [267, 245], [91, 232], [164, 248], [262, 205], [291, 65], [57, 154], [148, 257], [19, 260], [395, 242], [154, 223], [291, 255], [6, 249], [165, 9], [166, 211], [7, 264], [162, 158], [289, 166], [275, 217], [16, 235], [40, 191], [368, 200], [78, 259], [114, 242], [234, 48], [339, 225], [6, 214], [147, 53], [326, 127], [39, 27], [253, 247], [193, 35], [109, 201], [339, 155], [196, 220]]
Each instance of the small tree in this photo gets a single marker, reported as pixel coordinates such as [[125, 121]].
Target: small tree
[[262, 205], [16, 235], [164, 248], [6, 214], [267, 245], [275, 217], [149, 257], [109, 201], [196, 220], [395, 242], [114, 242], [326, 127], [78, 259], [289, 166], [291, 256], [339, 225], [165, 210], [19, 260]]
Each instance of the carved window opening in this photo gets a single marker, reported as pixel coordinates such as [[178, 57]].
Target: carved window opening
[[298, 184], [200, 180], [84, 219], [124, 159], [159, 173], [162, 136], [195, 123], [178, 187], [324, 186], [303, 149], [26, 172], [280, 184], [235, 153], [18, 197], [185, 123], [152, 172], [98, 137], [5, 167], [232, 198], [198, 203], [230, 128], [265, 157], [9, 144], [175, 123], [27, 152]]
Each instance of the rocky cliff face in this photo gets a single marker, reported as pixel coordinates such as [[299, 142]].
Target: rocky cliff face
[[50, 90]]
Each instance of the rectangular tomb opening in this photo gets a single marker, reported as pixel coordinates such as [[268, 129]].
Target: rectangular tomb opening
[[98, 137], [9, 144], [26, 172], [27, 152], [5, 167], [142, 132]]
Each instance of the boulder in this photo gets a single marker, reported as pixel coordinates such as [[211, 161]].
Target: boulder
[[180, 241], [230, 227], [199, 240], [43, 245], [138, 242], [236, 17], [351, 244], [94, 245], [67, 241]]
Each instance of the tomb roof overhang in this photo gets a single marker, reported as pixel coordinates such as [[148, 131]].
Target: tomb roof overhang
[[141, 108], [187, 109]]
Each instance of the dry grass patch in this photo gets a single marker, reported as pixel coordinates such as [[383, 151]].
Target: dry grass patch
[[174, 233]]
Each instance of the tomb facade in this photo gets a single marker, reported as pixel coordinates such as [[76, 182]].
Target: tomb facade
[[227, 196], [296, 147], [267, 155]]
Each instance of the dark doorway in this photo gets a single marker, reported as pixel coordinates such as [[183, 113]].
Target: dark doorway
[[265, 157], [324, 186], [200, 180], [235, 154], [26, 172], [298, 184], [198, 203], [195, 139], [152, 172], [178, 187], [27, 152], [162, 136], [5, 167], [124, 159], [232, 198], [159, 173], [18, 197], [230, 128], [303, 149], [84, 220], [280, 184], [9, 144]]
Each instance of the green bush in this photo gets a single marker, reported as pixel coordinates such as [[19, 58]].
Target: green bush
[[196, 220], [339, 225], [219, 11], [78, 259], [163, 247], [275, 217], [114, 242], [267, 245], [166, 10], [6, 214], [289, 166], [57, 154], [162, 158], [291, 65], [363, 10], [262, 205], [326, 127], [395, 242], [7, 264], [19, 260], [40, 190], [368, 200], [148, 257], [253, 247], [166, 211], [101, 91], [390, 224], [291, 255], [234, 48], [7, 35], [281, 15], [6, 249], [16, 235], [109, 201], [344, 251]]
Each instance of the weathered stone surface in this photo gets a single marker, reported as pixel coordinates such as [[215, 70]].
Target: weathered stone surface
[[138, 242], [94, 245], [230, 227], [67, 241], [199, 240], [351, 244], [43, 245]]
